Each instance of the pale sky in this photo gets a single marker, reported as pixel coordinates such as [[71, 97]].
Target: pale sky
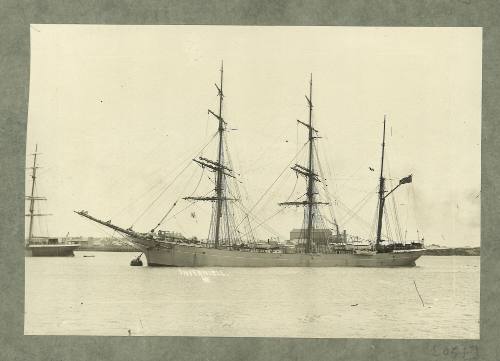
[[118, 111]]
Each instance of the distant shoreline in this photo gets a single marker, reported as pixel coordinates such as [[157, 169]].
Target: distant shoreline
[[472, 251], [107, 249]]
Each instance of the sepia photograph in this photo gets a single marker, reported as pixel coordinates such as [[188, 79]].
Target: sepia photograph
[[253, 181]]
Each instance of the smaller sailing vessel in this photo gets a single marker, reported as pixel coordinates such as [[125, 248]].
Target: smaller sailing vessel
[[225, 248], [39, 246]]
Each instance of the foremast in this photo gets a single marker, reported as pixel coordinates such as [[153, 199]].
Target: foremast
[[221, 171], [218, 183], [309, 173]]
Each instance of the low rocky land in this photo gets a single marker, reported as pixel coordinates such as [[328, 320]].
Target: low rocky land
[[465, 251]]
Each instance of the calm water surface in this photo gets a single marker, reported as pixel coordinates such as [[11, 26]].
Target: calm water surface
[[103, 295]]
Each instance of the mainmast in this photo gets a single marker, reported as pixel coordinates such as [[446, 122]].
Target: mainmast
[[310, 176], [218, 167]]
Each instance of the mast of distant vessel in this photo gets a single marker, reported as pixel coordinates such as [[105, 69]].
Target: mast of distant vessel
[[32, 197]]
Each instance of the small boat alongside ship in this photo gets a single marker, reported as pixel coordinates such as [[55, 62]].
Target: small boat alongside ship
[[225, 246], [42, 246]]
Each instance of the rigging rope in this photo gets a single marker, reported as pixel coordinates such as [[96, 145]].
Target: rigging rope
[[353, 213], [395, 216], [248, 214], [407, 210], [161, 181], [165, 216], [373, 229], [199, 181], [171, 183], [388, 226], [158, 196], [189, 205], [142, 160], [324, 185], [232, 228], [416, 211], [360, 204], [276, 213], [279, 176]]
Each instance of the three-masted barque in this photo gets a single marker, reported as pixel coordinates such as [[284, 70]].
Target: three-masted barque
[[37, 245], [225, 249]]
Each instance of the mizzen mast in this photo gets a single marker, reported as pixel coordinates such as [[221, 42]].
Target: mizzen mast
[[381, 190]]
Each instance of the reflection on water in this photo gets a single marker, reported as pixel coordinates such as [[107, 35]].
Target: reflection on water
[[103, 295]]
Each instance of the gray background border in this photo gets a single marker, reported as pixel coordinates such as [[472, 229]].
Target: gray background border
[[15, 17]]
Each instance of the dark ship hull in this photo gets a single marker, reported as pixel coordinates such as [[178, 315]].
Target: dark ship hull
[[50, 250]]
